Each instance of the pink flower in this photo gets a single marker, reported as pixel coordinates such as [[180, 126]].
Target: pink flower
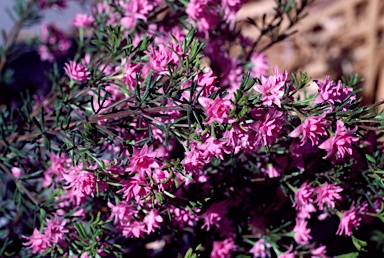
[[303, 196], [17, 172], [320, 252], [82, 183], [142, 161], [53, 43], [288, 253], [231, 7], [56, 169], [76, 71], [134, 188], [349, 220], [83, 20], [302, 233], [135, 229], [267, 125], [304, 211], [160, 58], [217, 110], [223, 249], [260, 65], [340, 143], [326, 194], [259, 248], [213, 215], [332, 93], [272, 88], [55, 229], [183, 216], [205, 13], [311, 128], [38, 242], [122, 212], [152, 221]]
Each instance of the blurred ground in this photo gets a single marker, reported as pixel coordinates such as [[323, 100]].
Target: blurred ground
[[336, 38]]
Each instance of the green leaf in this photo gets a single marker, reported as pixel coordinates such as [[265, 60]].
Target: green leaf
[[349, 255], [359, 244], [370, 158]]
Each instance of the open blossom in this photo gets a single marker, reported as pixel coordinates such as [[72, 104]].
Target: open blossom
[[160, 58], [81, 182], [311, 128], [183, 216], [142, 161], [77, 72], [304, 211], [267, 126], [122, 212], [272, 88], [38, 242], [349, 221], [134, 188], [340, 143], [56, 169], [302, 233], [331, 92], [217, 110], [327, 194], [223, 249], [83, 20], [55, 229], [152, 221], [303, 196], [135, 229], [259, 249]]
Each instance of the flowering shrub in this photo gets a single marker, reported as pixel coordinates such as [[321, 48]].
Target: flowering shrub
[[156, 141]]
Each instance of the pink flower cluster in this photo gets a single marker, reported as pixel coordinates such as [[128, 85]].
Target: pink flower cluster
[[53, 43], [53, 234]]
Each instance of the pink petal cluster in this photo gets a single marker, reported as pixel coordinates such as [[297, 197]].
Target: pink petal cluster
[[268, 125], [152, 221], [331, 92], [160, 58], [217, 110], [53, 43], [123, 212], [135, 10], [213, 215], [231, 7], [259, 65], [82, 183], [340, 143], [53, 234], [349, 220], [38, 242], [76, 71], [134, 188], [311, 128], [288, 253], [303, 196], [206, 80], [223, 249], [58, 167], [205, 13], [272, 88], [83, 20], [143, 161], [259, 249], [327, 194], [302, 233]]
